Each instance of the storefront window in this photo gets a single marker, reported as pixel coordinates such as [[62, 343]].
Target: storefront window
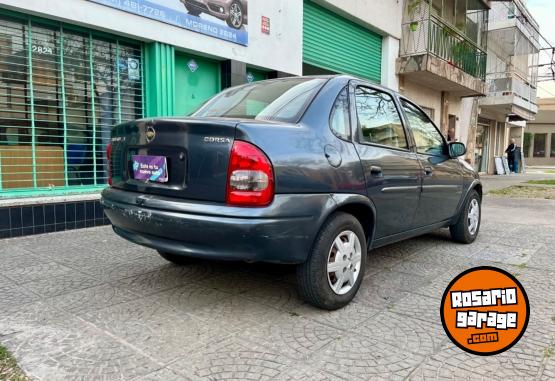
[[552, 154], [61, 91], [527, 143], [539, 145]]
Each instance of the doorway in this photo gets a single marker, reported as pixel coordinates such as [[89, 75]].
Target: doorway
[[196, 80], [481, 153]]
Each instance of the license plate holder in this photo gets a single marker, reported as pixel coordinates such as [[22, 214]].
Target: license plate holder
[[150, 168]]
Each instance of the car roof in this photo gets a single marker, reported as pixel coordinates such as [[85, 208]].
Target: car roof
[[348, 77]]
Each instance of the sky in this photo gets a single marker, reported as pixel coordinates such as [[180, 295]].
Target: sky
[[543, 11]]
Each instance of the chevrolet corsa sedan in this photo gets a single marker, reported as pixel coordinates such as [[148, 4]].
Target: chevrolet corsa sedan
[[313, 171]]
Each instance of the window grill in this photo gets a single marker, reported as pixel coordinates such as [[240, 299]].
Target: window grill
[[61, 91]]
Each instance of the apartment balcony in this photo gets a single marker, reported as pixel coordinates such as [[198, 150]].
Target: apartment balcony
[[447, 55], [438, 57], [512, 63], [509, 95]]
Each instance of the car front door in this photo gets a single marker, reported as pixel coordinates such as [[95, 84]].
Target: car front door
[[441, 175], [391, 169]]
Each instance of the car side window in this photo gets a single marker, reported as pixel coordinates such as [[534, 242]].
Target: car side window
[[428, 139], [339, 116], [378, 119]]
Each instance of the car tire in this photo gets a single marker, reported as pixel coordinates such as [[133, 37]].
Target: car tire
[[176, 258], [232, 22], [317, 283], [467, 226]]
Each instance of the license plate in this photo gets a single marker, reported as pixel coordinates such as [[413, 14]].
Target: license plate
[[150, 168]]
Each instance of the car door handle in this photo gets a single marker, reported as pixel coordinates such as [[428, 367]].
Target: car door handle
[[376, 171], [428, 171]]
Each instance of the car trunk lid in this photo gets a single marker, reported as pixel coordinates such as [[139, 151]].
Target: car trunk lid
[[195, 151]]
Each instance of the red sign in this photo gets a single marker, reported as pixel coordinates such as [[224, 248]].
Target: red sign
[[265, 25]]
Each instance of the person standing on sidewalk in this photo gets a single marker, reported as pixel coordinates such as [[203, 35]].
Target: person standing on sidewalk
[[510, 151]]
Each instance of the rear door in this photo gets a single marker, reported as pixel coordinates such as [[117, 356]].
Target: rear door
[[391, 169], [441, 175]]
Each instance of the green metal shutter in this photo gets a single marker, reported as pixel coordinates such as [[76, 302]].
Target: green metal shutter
[[62, 88], [334, 43]]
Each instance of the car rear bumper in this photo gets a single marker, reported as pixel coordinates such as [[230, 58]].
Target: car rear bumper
[[282, 232]]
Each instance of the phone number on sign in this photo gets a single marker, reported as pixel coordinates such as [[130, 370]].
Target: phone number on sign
[[137, 7]]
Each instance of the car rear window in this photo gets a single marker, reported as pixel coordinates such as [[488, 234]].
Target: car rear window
[[279, 99]]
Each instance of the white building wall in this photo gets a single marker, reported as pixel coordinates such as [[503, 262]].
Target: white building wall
[[423, 96], [281, 50], [383, 16], [390, 52]]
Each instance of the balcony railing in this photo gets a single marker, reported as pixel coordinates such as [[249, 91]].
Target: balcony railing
[[503, 84], [432, 36]]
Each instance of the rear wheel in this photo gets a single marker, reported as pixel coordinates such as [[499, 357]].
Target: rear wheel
[[466, 229], [332, 275], [176, 258]]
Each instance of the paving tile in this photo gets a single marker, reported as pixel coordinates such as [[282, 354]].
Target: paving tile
[[22, 318], [14, 295], [189, 298], [235, 282], [76, 351], [64, 284], [407, 333], [450, 362], [233, 359], [116, 271], [280, 295], [234, 313], [161, 332], [363, 357], [163, 374], [292, 336], [163, 278], [39, 271], [91, 299], [346, 318]]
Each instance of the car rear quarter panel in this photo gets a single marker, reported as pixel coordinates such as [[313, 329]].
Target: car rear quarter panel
[[297, 151]]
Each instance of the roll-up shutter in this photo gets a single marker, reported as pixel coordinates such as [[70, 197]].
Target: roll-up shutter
[[336, 44]]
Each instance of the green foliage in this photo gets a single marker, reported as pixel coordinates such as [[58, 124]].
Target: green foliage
[[542, 182], [9, 371]]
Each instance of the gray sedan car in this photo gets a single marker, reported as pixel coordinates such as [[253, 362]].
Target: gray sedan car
[[312, 171]]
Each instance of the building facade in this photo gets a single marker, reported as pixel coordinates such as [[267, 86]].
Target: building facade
[[511, 79], [70, 70], [442, 59], [538, 146]]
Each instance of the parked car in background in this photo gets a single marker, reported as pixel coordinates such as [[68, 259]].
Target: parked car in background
[[233, 12], [313, 171]]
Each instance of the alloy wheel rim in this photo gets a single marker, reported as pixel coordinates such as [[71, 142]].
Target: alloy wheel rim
[[344, 261], [473, 216], [236, 15]]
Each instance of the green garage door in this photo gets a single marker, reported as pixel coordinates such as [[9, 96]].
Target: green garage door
[[334, 43]]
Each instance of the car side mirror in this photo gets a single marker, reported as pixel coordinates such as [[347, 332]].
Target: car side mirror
[[456, 149]]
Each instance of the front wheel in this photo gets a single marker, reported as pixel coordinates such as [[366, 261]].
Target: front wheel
[[467, 226], [333, 272], [235, 18]]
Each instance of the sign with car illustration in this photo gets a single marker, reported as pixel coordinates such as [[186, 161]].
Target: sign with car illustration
[[223, 19]]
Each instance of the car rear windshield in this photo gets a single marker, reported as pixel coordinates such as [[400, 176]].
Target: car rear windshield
[[278, 99]]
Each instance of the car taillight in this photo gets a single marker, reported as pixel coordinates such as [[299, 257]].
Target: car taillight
[[109, 157], [250, 180]]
